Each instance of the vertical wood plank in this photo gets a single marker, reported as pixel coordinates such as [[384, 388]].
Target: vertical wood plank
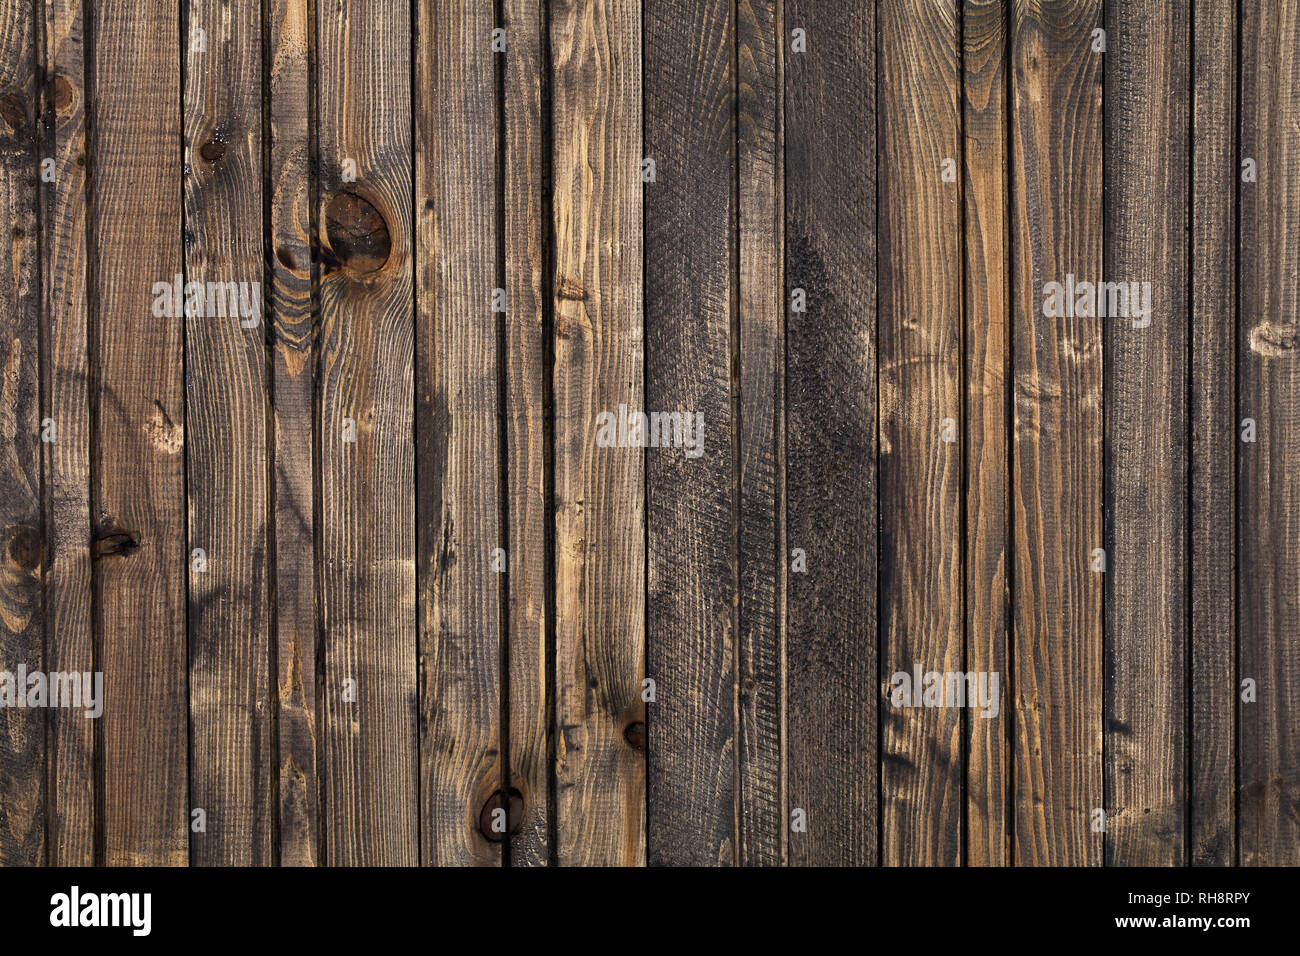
[[761, 375], [289, 46], [830, 253], [366, 377], [68, 635], [138, 410], [1268, 502], [920, 418], [987, 357], [1212, 552], [1057, 480], [225, 367], [527, 230], [1146, 118], [599, 492], [691, 508], [458, 451], [22, 533]]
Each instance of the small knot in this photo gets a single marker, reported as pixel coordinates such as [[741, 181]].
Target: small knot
[[513, 804], [634, 734]]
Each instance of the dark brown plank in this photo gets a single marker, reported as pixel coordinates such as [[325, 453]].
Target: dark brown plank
[[1268, 489], [690, 491], [22, 619], [830, 253], [761, 370], [599, 492], [366, 375], [225, 368], [527, 229], [1147, 149], [1212, 549], [987, 357], [920, 418], [458, 452], [291, 304], [1057, 480], [138, 411]]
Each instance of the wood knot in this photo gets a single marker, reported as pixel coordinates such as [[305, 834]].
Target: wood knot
[[634, 734], [213, 150], [60, 92], [489, 822], [14, 110], [357, 234], [113, 539], [26, 549]]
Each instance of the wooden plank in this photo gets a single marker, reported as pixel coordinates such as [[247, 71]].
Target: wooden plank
[[920, 415], [831, 517], [1057, 478], [291, 299], [527, 230], [691, 477], [1147, 150], [458, 452], [1268, 489], [599, 492], [1212, 549], [985, 430], [68, 635], [22, 532], [760, 198], [138, 415], [366, 377], [231, 763]]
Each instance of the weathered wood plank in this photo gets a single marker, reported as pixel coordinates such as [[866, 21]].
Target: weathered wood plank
[[138, 415], [291, 298], [1146, 219], [366, 382], [761, 373], [225, 368], [831, 483], [527, 231], [920, 354], [985, 430], [691, 508], [1212, 548], [22, 533], [599, 491], [458, 452], [1268, 489], [1057, 480]]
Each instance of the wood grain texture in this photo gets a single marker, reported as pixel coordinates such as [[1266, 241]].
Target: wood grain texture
[[1147, 89], [291, 301], [1057, 478], [1212, 554], [458, 454], [920, 460], [527, 235], [231, 764], [138, 422], [691, 494], [366, 375], [22, 612], [985, 430], [599, 492], [760, 358], [830, 425], [1268, 369]]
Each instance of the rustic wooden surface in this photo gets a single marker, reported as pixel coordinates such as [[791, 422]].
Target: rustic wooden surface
[[435, 621]]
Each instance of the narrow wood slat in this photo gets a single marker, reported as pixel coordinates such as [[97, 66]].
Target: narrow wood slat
[[138, 419], [920, 357], [830, 253], [1057, 480], [225, 369], [599, 492], [366, 376], [1268, 489], [1146, 217], [987, 358]]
